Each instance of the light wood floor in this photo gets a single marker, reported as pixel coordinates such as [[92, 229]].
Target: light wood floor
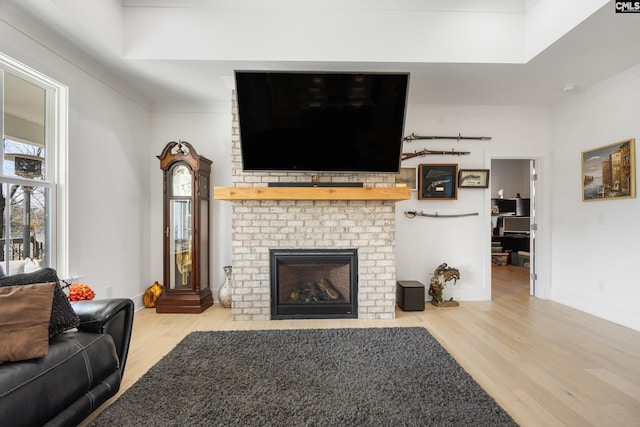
[[544, 363]]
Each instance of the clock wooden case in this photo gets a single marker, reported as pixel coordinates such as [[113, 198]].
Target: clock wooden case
[[186, 240]]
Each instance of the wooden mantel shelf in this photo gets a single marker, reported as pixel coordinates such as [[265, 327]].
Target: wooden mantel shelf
[[311, 193]]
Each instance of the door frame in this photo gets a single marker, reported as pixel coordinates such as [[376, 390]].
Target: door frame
[[541, 246]]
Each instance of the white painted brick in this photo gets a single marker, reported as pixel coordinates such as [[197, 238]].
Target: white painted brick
[[257, 226]]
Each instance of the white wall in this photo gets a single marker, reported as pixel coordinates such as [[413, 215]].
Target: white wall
[[595, 249], [288, 30], [421, 243], [424, 243], [108, 190], [109, 175]]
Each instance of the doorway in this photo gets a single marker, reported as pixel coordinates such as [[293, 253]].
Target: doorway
[[513, 219]]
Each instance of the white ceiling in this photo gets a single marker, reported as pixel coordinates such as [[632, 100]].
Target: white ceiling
[[599, 47]]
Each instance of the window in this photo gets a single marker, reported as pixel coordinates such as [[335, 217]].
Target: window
[[32, 159]]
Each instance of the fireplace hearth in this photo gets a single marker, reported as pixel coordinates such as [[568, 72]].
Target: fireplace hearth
[[314, 283]]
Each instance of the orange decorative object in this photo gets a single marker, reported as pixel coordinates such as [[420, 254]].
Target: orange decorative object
[[80, 292]]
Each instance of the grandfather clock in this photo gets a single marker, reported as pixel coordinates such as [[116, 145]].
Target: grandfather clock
[[186, 230]]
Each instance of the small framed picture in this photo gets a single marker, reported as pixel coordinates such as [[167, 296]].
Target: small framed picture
[[473, 178], [407, 176], [437, 181]]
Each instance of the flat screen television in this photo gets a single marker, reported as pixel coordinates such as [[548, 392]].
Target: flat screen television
[[321, 121]]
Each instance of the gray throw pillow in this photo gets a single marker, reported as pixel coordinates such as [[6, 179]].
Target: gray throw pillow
[[62, 315]]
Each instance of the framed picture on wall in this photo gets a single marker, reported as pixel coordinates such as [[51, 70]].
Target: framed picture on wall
[[407, 176], [438, 181], [609, 172], [473, 178]]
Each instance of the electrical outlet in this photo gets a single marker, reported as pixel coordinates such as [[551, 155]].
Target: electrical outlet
[[109, 292]]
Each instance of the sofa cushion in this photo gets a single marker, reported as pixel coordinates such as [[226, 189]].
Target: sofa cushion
[[80, 369], [31, 265], [14, 267], [62, 315], [24, 321]]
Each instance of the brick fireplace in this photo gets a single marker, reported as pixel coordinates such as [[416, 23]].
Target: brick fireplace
[[259, 226]]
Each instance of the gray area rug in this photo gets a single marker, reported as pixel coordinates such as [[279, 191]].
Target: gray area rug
[[313, 377]]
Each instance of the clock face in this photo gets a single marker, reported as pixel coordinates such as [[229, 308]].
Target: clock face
[[181, 181]]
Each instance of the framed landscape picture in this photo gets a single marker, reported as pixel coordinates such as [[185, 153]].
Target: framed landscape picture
[[473, 178], [437, 181], [609, 172]]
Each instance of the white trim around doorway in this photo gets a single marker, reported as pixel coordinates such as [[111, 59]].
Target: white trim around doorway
[[542, 249]]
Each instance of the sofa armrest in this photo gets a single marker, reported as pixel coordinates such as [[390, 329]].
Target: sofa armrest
[[108, 316]]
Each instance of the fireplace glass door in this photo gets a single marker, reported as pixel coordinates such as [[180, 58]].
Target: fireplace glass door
[[314, 283]]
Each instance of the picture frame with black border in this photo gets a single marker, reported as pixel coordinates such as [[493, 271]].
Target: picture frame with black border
[[473, 178]]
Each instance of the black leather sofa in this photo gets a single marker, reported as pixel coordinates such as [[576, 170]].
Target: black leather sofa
[[82, 370]]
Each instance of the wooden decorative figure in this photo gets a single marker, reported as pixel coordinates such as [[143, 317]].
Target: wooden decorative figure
[[441, 275]]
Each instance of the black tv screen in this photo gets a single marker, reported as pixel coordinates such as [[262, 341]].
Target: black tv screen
[[320, 121]]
